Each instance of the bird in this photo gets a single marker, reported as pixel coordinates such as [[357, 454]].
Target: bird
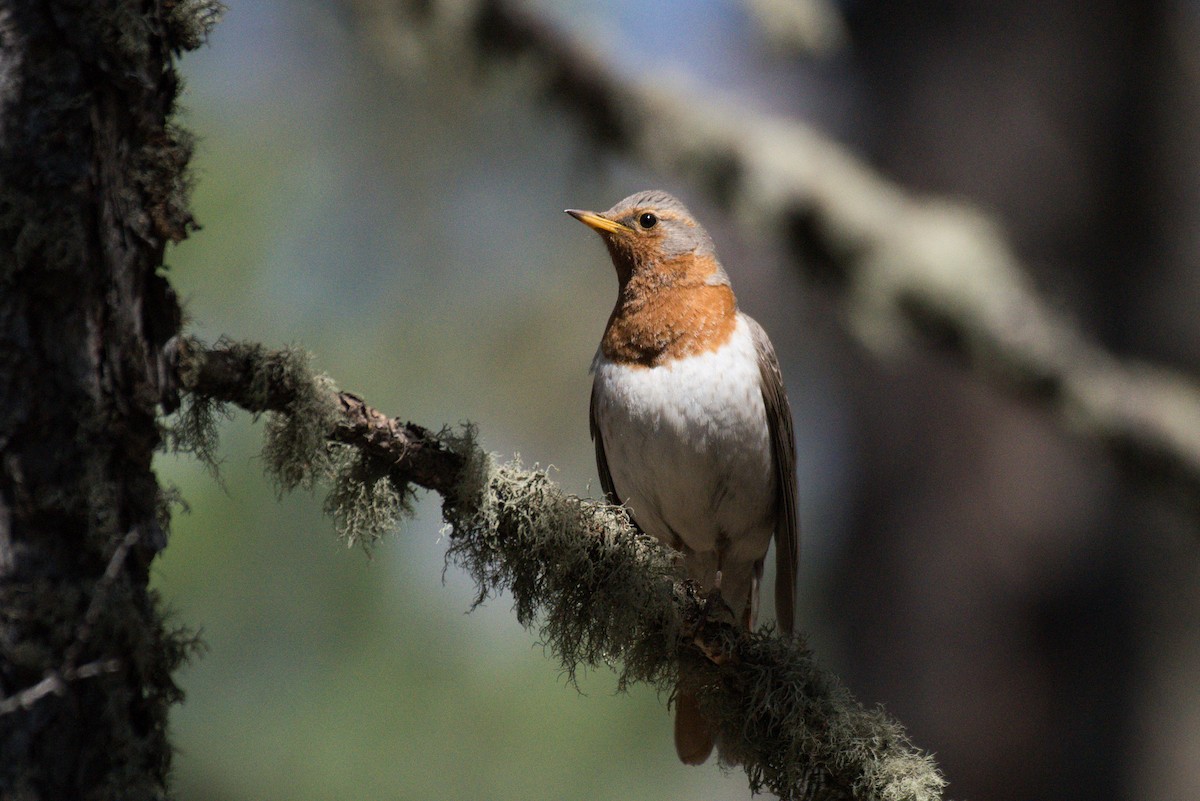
[[690, 420]]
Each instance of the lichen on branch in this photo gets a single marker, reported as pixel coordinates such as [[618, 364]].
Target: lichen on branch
[[602, 593], [599, 592], [305, 414]]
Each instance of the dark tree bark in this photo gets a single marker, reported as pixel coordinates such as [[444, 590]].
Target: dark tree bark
[[92, 187]]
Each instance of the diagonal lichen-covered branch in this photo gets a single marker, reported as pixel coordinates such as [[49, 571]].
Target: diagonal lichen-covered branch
[[258, 380], [806, 27], [906, 267], [600, 592]]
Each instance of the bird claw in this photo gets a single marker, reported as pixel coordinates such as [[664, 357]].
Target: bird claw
[[713, 609], [714, 655]]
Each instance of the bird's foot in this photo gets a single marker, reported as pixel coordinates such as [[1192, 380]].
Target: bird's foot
[[713, 609]]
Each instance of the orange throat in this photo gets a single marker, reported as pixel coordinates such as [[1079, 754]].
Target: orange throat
[[655, 322]]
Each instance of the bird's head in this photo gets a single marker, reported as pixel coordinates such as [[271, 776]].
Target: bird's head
[[652, 232]]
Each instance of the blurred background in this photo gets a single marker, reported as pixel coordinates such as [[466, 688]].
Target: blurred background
[[994, 584]]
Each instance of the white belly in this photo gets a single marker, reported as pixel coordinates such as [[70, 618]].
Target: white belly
[[689, 452]]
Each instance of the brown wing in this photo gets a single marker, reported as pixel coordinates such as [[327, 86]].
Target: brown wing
[[606, 482], [783, 454]]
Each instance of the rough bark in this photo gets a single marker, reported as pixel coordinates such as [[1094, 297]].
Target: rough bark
[[92, 187]]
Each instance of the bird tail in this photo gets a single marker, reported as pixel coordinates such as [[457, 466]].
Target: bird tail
[[693, 735]]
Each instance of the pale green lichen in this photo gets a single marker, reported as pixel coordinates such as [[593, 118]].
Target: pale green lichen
[[364, 500], [296, 449], [599, 592], [800, 733], [196, 430], [189, 22]]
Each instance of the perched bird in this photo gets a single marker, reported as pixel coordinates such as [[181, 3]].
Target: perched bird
[[691, 424]]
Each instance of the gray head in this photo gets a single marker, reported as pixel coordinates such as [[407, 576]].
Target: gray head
[[648, 230]]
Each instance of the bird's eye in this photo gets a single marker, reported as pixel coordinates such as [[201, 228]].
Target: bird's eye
[[647, 220]]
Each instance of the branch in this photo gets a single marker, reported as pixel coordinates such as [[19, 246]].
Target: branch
[[261, 381], [907, 267], [804, 27], [600, 592], [56, 681], [56, 684]]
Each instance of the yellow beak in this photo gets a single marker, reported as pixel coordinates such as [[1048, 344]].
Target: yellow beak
[[602, 224]]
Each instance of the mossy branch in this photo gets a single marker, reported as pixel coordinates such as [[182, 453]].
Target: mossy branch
[[600, 592], [800, 27]]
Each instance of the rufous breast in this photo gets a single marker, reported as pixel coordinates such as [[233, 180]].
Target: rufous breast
[[670, 312]]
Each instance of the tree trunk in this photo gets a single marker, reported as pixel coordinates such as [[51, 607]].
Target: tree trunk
[[92, 187]]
